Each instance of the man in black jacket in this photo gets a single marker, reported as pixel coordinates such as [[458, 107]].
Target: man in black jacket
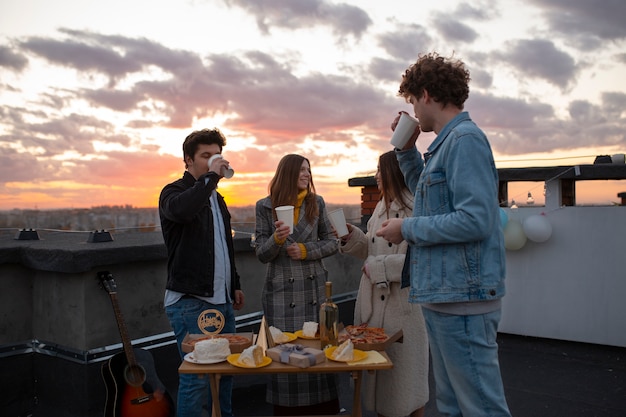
[[201, 273]]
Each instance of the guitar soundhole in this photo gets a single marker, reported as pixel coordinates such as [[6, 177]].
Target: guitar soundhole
[[134, 375]]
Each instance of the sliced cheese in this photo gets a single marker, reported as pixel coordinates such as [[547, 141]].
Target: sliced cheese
[[251, 356], [278, 336], [344, 352], [309, 329]]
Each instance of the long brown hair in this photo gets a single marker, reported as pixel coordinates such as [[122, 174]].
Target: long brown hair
[[392, 180], [283, 187]]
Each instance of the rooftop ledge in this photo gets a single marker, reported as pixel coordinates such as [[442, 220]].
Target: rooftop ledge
[[73, 252], [577, 172]]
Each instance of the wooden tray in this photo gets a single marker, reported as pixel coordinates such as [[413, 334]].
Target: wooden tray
[[187, 345], [396, 337]]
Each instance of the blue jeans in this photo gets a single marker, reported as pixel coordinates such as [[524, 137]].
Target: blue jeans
[[193, 391], [465, 364]]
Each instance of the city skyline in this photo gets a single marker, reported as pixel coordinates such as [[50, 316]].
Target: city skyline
[[96, 98]]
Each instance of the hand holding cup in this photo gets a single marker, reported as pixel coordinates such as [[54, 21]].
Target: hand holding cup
[[344, 239], [406, 129], [222, 166], [338, 221], [285, 214], [282, 231]]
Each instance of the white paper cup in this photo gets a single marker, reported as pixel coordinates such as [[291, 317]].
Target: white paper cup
[[338, 220], [227, 172], [404, 130], [285, 214]]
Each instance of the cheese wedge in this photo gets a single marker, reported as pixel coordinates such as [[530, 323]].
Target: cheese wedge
[[309, 329], [344, 352], [278, 336], [252, 356]]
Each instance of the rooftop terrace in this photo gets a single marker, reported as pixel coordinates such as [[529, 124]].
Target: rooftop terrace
[[563, 338]]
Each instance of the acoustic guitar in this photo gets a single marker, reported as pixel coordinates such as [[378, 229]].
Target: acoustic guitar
[[132, 385]]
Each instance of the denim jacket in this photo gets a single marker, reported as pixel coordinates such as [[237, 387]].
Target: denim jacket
[[456, 244]]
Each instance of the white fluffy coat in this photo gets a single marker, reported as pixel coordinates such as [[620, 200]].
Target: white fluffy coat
[[382, 303]]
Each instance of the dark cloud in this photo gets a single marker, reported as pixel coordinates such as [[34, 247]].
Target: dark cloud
[[512, 125], [478, 11], [121, 101], [387, 69], [456, 26], [406, 43], [343, 19], [56, 134], [114, 56], [56, 99], [81, 56], [17, 166], [140, 53], [593, 128], [141, 124], [585, 23], [305, 105], [585, 112], [126, 171], [11, 59], [481, 78], [12, 116], [269, 99], [614, 104], [74, 132], [273, 105], [540, 58], [603, 124], [516, 126], [506, 113], [453, 30]]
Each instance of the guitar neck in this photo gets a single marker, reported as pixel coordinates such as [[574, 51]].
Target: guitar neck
[[128, 348]]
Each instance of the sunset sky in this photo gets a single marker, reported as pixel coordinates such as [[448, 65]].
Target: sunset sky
[[96, 97]]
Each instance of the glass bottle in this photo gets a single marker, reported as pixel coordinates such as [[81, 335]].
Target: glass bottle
[[329, 318]]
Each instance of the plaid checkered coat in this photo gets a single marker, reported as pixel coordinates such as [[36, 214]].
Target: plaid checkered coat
[[292, 294]]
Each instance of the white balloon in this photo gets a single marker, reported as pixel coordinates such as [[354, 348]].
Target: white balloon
[[514, 237], [504, 218], [537, 228]]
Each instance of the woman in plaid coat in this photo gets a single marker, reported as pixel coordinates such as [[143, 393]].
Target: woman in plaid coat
[[295, 277]]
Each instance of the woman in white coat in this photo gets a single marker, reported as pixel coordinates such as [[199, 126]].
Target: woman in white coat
[[382, 302]]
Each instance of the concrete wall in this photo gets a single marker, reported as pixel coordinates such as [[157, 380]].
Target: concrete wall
[[57, 324], [61, 301], [572, 286]]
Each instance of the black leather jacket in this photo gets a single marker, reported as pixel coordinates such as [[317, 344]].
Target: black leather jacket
[[187, 225]]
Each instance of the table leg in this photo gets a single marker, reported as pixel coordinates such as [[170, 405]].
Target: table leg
[[356, 398], [214, 382]]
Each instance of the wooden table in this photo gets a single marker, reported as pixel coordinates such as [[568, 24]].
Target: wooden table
[[215, 371]]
